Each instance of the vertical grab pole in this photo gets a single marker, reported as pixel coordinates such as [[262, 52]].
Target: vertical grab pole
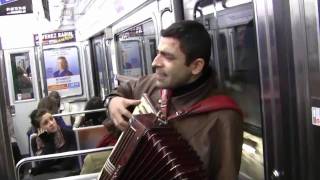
[[7, 170]]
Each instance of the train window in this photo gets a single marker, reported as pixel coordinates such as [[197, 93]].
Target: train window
[[137, 49], [153, 50], [100, 66], [246, 73], [244, 86], [62, 71], [109, 64], [130, 59], [223, 55], [22, 77]]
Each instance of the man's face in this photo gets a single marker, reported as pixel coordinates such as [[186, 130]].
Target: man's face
[[48, 123], [170, 64]]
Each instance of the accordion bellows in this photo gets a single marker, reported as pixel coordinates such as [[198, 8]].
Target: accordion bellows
[[147, 150]]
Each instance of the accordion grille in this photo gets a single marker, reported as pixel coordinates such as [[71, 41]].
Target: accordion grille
[[149, 151], [125, 138], [163, 154]]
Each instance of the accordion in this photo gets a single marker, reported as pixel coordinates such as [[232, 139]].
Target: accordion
[[148, 149]]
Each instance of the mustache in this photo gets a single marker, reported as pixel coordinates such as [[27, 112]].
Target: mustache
[[160, 72]]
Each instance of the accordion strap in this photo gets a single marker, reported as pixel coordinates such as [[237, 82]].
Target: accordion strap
[[213, 103], [165, 96]]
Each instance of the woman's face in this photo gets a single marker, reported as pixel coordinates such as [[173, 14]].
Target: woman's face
[[48, 123], [61, 64]]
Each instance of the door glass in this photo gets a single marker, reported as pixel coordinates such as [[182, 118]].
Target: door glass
[[223, 55], [244, 86], [101, 68], [246, 73], [22, 77], [153, 50], [109, 67], [130, 59]]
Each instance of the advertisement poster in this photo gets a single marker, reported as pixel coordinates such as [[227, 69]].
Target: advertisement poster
[[13, 7], [62, 71], [131, 59]]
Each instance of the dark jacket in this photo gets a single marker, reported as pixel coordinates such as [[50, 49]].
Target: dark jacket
[[65, 72], [49, 148], [215, 136]]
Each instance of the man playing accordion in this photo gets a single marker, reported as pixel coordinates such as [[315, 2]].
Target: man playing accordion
[[182, 68]]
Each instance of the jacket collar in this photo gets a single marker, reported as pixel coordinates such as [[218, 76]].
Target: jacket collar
[[195, 92]]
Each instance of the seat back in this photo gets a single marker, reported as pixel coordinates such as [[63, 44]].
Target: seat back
[[88, 137]]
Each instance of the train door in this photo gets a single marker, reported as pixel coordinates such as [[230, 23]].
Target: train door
[[103, 74], [89, 72], [7, 161], [235, 59], [23, 92], [306, 54], [136, 49], [111, 79]]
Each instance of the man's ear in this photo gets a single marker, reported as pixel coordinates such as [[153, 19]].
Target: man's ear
[[197, 66]]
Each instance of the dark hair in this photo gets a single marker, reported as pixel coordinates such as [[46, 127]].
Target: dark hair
[[38, 116], [32, 116], [56, 96], [194, 40], [96, 117], [50, 104], [65, 62], [19, 71]]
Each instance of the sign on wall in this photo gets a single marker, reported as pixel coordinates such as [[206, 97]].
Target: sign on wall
[[13, 7], [55, 37], [62, 71]]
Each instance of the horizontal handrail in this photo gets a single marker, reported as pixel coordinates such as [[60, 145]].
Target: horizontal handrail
[[80, 177], [57, 156], [87, 127], [79, 112], [123, 78]]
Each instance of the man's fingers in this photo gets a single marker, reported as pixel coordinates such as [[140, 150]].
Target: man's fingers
[[123, 125], [126, 113], [130, 102], [120, 122], [118, 111]]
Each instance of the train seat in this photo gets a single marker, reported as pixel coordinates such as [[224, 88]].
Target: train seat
[[88, 137]]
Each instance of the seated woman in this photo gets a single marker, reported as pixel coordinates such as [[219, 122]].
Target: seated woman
[[51, 104], [52, 139]]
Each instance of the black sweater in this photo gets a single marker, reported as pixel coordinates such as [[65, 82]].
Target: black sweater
[[49, 148]]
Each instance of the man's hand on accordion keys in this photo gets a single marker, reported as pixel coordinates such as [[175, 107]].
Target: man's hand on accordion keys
[[118, 111]]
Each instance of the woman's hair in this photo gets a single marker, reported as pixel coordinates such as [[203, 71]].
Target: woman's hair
[[56, 96], [32, 116], [49, 103], [38, 116]]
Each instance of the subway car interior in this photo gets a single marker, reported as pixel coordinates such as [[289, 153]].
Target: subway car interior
[[265, 55]]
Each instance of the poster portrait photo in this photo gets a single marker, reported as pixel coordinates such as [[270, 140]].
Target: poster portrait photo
[[62, 71]]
